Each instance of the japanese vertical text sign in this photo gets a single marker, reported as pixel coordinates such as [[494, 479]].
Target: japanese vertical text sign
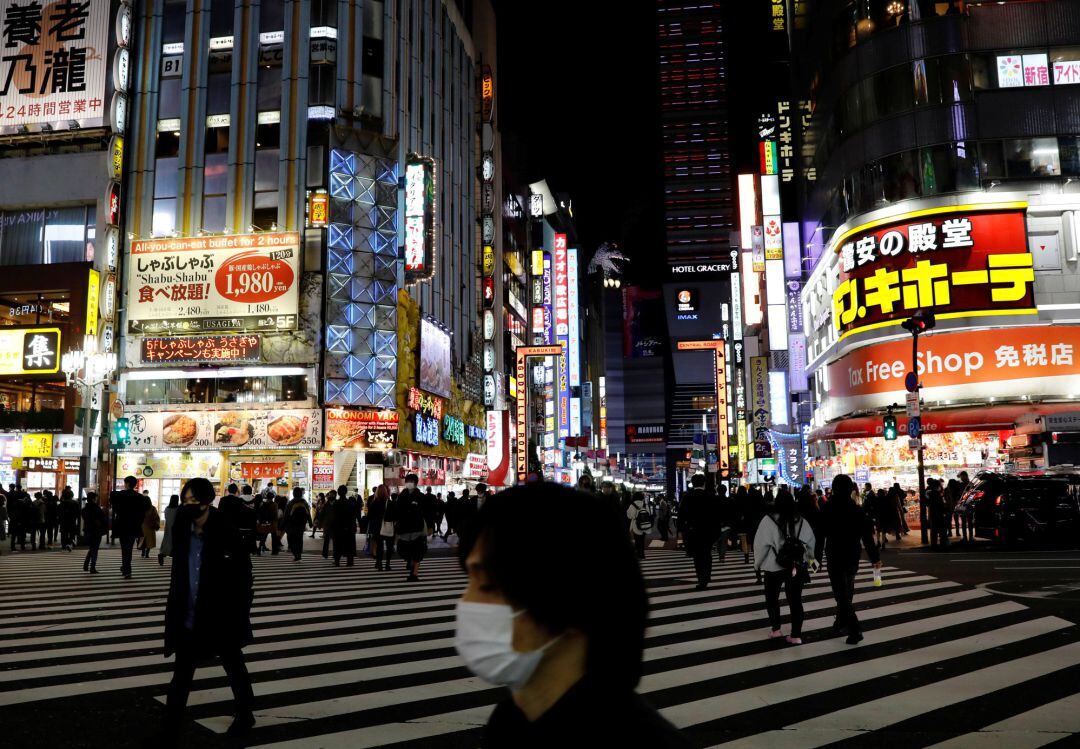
[[523, 354], [55, 61], [562, 329], [419, 217], [721, 406], [242, 282], [952, 262]]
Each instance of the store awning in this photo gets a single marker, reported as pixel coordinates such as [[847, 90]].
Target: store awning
[[987, 418]]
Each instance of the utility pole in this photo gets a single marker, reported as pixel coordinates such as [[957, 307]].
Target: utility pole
[[918, 323]]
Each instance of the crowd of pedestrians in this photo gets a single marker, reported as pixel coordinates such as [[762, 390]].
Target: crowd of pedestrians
[[565, 636]]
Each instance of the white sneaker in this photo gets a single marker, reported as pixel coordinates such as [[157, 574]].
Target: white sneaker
[[775, 634]]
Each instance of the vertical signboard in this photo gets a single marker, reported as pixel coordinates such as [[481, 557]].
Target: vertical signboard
[[419, 217], [561, 291], [759, 405], [524, 353], [721, 407], [549, 321], [574, 350]]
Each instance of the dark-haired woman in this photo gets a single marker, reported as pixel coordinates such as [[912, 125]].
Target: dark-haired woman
[[779, 532], [208, 611], [846, 527], [566, 637]]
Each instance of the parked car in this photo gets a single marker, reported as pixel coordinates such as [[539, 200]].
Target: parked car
[[1008, 508]]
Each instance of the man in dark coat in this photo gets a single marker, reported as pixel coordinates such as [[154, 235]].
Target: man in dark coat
[[846, 527], [297, 519], [129, 509], [17, 517], [699, 521], [344, 527], [208, 612]]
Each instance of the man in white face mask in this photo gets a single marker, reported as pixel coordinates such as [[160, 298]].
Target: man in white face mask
[[564, 633]]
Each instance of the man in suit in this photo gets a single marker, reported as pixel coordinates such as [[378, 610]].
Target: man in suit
[[208, 611], [129, 509]]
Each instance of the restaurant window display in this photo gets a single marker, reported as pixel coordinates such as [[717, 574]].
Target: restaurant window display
[[279, 471]]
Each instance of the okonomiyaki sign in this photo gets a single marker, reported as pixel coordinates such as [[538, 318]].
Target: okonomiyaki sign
[[955, 263]]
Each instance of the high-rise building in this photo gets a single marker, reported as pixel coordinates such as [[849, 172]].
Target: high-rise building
[[698, 220], [698, 203], [940, 172], [302, 195], [64, 112]]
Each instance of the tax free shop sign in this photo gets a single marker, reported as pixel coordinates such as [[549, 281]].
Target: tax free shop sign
[[1040, 361]]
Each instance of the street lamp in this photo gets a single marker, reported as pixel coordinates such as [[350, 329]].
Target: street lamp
[[87, 368]]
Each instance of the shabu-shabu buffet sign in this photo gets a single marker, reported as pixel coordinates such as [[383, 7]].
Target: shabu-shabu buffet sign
[[227, 430], [242, 282]]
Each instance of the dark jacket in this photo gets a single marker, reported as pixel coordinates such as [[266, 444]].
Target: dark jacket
[[376, 511], [410, 512], [69, 514], [129, 511], [297, 516], [94, 521], [699, 517], [226, 588], [587, 715], [846, 527]]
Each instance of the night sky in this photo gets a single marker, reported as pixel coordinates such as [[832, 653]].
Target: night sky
[[578, 91]]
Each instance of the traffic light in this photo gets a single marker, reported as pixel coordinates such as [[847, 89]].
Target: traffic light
[[920, 322], [121, 432], [888, 425]]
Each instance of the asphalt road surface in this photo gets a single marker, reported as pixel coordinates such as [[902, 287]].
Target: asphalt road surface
[[957, 654]]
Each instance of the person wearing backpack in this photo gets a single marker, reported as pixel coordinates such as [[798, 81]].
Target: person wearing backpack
[[641, 522], [297, 519], [783, 546]]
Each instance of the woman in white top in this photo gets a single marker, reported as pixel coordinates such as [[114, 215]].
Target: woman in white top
[[778, 554]]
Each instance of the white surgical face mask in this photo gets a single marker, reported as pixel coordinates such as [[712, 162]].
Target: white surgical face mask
[[484, 639], [410, 485]]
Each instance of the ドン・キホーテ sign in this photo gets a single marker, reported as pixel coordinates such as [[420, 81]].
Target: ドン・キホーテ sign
[[954, 262]]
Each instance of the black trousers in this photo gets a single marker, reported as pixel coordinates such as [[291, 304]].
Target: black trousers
[[639, 545], [93, 543], [67, 536], [702, 554], [792, 587], [187, 658], [18, 536], [296, 542], [41, 536], [126, 544], [326, 543], [843, 588], [384, 549]]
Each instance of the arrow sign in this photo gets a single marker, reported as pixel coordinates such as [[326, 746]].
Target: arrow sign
[[914, 426]]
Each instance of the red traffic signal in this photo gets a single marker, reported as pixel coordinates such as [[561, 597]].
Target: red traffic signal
[[920, 322]]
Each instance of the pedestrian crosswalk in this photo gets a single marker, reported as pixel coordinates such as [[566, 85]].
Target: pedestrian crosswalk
[[353, 657]]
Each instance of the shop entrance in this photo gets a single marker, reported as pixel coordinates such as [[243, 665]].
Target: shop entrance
[[281, 471]]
